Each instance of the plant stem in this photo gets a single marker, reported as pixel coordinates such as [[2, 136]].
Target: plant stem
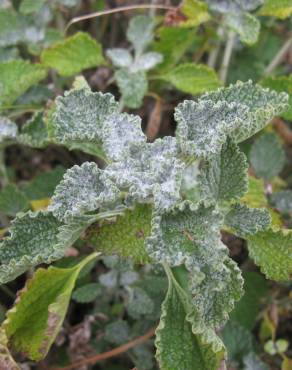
[[117, 10], [112, 353], [7, 291], [279, 56], [227, 56], [213, 56]]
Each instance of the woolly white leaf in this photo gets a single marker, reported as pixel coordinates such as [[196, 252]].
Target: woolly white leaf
[[120, 131], [120, 57], [244, 220], [34, 132], [147, 61], [80, 114], [245, 25], [150, 170], [187, 234], [140, 32], [228, 6], [8, 130], [258, 106], [133, 86], [203, 126], [84, 188]]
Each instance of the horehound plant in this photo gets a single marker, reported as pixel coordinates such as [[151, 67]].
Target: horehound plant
[[162, 203]]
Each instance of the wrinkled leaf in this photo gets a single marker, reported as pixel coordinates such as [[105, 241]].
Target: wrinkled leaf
[[34, 132], [245, 25], [280, 9], [12, 200]]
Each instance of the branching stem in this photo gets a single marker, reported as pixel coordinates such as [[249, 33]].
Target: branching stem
[[112, 353], [117, 10]]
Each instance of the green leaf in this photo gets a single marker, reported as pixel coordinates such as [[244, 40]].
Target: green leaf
[[87, 293], [8, 130], [281, 83], [192, 78], [12, 201], [140, 32], [16, 76], [133, 86], [125, 236], [224, 177], [247, 309], [78, 117], [139, 304], [267, 156], [83, 189], [255, 196], [45, 298], [196, 12], [43, 185], [178, 345], [244, 221], [172, 43], [203, 126], [150, 170], [260, 106], [73, 55], [117, 332], [245, 25], [238, 341], [272, 252], [33, 240], [34, 132], [280, 9]]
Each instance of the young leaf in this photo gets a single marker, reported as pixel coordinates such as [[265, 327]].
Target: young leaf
[[253, 362], [192, 78], [245, 25], [120, 58], [133, 86], [78, 116], [196, 12], [203, 126], [147, 61], [16, 76], [282, 200], [119, 132], [281, 9], [126, 235], [45, 298], [33, 240], [267, 156], [272, 252], [245, 221], [224, 177], [87, 293], [8, 130], [140, 32], [150, 170], [281, 83], [83, 189], [184, 350], [34, 132], [12, 200], [261, 106], [73, 55]]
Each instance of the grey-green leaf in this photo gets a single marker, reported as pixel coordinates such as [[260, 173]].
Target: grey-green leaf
[[140, 32], [224, 177], [120, 58], [83, 189]]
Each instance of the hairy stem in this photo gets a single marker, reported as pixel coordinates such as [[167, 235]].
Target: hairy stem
[[227, 56], [112, 353], [279, 56], [117, 10]]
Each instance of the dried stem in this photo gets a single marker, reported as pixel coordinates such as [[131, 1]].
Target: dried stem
[[227, 56], [114, 352], [279, 56], [117, 10]]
